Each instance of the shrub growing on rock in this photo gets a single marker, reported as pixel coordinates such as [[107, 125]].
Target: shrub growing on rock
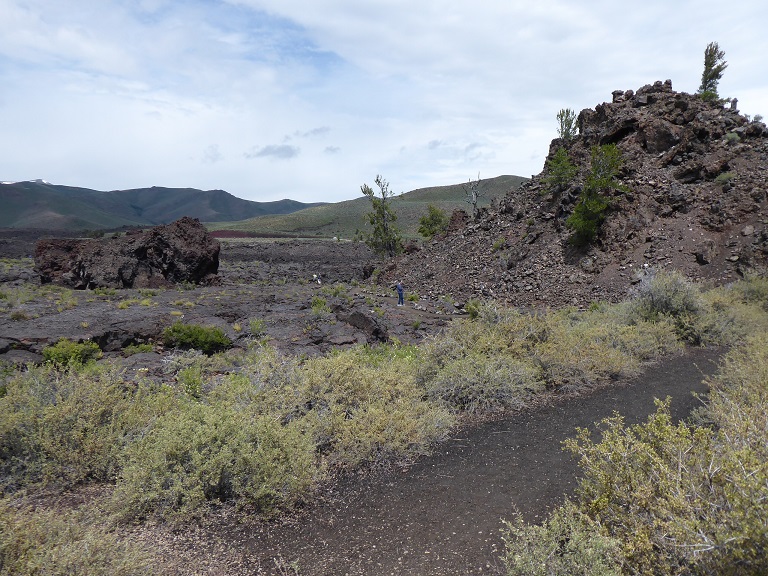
[[66, 352], [591, 209], [714, 66], [207, 339], [433, 223], [560, 171], [566, 124]]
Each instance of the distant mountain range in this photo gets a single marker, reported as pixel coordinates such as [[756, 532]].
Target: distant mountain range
[[39, 204]]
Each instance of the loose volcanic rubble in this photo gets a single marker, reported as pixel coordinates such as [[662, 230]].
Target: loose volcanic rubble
[[695, 175]]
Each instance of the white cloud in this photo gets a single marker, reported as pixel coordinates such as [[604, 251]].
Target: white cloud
[[212, 154], [280, 151], [117, 94]]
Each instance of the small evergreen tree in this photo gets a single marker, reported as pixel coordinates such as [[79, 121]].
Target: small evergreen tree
[[590, 210], [567, 127], [714, 65], [560, 171], [385, 238], [434, 222]]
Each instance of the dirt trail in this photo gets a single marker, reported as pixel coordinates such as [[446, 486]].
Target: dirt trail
[[444, 514]]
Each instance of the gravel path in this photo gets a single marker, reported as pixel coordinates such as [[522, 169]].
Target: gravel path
[[443, 515]]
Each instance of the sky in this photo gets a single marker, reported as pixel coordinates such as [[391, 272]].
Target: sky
[[310, 99]]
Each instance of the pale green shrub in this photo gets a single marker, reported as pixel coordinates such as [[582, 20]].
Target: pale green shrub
[[474, 382], [200, 454], [665, 294], [367, 407], [190, 378], [582, 349], [752, 290], [320, 306], [257, 327], [35, 542], [207, 339], [502, 357], [669, 295], [734, 312], [568, 542], [674, 498], [66, 352], [71, 426], [141, 348]]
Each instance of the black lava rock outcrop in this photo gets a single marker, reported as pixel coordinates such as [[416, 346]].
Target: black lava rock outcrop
[[695, 177], [179, 252]]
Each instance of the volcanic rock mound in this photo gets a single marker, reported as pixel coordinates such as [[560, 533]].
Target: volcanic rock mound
[[694, 179], [179, 252]]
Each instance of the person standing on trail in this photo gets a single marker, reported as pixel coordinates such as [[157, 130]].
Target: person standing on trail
[[400, 292]]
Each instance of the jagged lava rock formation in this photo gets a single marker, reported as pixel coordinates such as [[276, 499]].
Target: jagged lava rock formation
[[674, 214], [182, 251]]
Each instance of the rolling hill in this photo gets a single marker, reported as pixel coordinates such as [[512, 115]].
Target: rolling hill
[[343, 219], [38, 204]]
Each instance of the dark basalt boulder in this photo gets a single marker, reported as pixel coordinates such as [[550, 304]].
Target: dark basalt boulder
[[180, 252]]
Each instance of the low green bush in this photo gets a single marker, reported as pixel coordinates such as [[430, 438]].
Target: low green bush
[[66, 352], [207, 339], [257, 327], [582, 349], [334, 291], [320, 306], [669, 295], [671, 498], [507, 356], [724, 179], [200, 454], [35, 542], [65, 427], [190, 378], [132, 349], [477, 383], [472, 308], [752, 290], [567, 542], [367, 406]]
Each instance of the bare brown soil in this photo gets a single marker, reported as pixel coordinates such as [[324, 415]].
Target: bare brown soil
[[444, 514]]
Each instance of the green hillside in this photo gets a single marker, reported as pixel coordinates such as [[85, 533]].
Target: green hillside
[[38, 204], [343, 219]]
